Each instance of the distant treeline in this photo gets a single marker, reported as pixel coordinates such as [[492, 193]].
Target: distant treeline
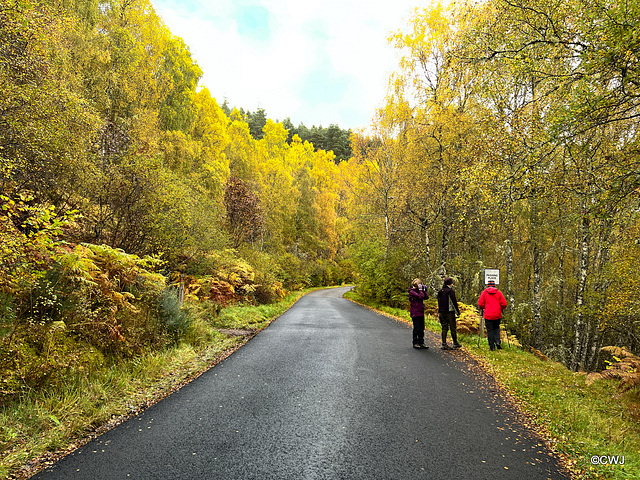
[[332, 138]]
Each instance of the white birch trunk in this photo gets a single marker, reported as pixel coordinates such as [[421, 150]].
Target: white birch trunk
[[536, 308], [509, 261], [446, 230], [584, 270]]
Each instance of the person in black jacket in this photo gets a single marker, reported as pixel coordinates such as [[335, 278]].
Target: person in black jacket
[[447, 312]]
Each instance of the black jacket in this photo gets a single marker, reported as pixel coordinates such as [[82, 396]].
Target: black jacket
[[445, 294]]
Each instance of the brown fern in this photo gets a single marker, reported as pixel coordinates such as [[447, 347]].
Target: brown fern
[[469, 323], [538, 354], [626, 369]]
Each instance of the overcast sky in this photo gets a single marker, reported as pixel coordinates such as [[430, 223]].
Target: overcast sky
[[317, 62]]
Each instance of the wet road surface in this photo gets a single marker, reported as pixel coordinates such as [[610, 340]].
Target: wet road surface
[[330, 390]]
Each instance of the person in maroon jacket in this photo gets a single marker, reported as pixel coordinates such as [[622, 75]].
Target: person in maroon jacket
[[417, 295], [493, 302]]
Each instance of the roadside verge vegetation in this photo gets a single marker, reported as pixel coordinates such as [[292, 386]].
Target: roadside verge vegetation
[[581, 417], [40, 425]]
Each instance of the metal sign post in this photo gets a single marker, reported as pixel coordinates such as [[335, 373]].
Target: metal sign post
[[491, 274]]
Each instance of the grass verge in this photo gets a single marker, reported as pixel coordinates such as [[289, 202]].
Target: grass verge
[[580, 421], [40, 427]]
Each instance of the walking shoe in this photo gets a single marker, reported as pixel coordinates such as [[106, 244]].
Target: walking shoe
[[445, 347], [492, 348], [423, 346], [499, 347], [457, 345], [415, 345]]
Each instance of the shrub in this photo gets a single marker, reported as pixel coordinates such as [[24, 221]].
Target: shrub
[[93, 302], [110, 296], [625, 367], [175, 319]]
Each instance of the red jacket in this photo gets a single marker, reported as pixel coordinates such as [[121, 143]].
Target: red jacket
[[493, 302]]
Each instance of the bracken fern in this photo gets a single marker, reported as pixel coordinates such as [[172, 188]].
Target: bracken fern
[[626, 368]]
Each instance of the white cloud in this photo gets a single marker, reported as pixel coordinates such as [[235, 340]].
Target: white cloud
[[316, 62]]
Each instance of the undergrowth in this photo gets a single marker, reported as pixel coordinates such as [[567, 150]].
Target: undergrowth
[[37, 424], [580, 419]]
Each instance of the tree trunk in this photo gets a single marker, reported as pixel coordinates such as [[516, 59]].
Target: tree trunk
[[536, 308], [510, 296], [386, 225], [446, 231], [584, 270], [427, 246], [509, 261], [592, 361], [601, 259], [181, 290], [560, 305], [585, 342]]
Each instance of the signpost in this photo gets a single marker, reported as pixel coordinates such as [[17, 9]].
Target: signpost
[[491, 274]]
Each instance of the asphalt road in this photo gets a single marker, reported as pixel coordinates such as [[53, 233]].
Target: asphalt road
[[330, 390]]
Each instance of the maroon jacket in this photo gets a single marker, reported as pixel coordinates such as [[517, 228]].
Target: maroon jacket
[[493, 302], [416, 307]]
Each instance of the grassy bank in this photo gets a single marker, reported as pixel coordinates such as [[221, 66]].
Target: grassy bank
[[38, 427], [580, 421]]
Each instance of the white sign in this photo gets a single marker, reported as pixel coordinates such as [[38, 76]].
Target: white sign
[[491, 274]]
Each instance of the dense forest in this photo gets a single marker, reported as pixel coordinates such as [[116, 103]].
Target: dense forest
[[124, 181], [508, 140]]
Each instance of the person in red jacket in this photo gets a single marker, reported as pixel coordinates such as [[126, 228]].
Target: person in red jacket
[[492, 301]]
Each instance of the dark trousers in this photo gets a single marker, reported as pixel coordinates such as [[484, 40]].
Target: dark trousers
[[448, 322], [418, 330], [493, 332]]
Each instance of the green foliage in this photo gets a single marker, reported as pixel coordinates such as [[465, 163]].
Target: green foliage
[[256, 122], [41, 357], [93, 301], [29, 238], [269, 276], [382, 273], [176, 320], [331, 138], [122, 205], [177, 109], [46, 125], [293, 271]]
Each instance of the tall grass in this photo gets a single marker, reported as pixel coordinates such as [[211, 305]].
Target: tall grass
[[581, 420]]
